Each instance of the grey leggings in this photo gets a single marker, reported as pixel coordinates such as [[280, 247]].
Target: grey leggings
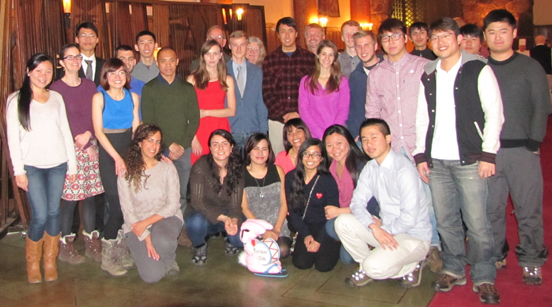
[[163, 236], [88, 215]]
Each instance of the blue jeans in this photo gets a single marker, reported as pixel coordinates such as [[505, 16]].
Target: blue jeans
[[460, 194], [241, 138], [343, 254], [198, 227], [45, 189]]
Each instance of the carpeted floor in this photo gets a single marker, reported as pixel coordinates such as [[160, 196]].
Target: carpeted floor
[[513, 292]]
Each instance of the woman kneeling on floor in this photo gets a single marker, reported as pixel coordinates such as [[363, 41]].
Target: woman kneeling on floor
[[216, 187], [309, 189], [150, 200]]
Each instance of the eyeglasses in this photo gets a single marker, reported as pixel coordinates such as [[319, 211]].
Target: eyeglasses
[[315, 155], [252, 49], [436, 38], [216, 37], [116, 73], [84, 35], [72, 57], [393, 37]]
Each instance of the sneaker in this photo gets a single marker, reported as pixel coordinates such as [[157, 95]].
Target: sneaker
[[433, 260], [414, 278], [172, 269], [358, 279], [229, 248], [487, 293], [501, 264], [199, 255], [532, 275], [445, 282]]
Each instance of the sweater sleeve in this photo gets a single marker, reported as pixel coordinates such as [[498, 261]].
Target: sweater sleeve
[[491, 103], [148, 106], [295, 216], [193, 115], [331, 195], [14, 141], [422, 124], [305, 109], [262, 111], [199, 179], [540, 97], [172, 196], [343, 103]]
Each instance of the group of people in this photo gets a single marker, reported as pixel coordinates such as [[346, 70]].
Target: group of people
[[391, 161]]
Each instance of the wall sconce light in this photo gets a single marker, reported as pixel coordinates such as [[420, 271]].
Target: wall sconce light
[[366, 26], [239, 13], [313, 20], [66, 6], [323, 21]]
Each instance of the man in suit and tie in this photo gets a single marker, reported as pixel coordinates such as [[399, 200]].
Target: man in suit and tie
[[251, 113]]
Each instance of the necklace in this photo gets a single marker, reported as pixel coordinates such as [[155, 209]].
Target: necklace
[[261, 194]]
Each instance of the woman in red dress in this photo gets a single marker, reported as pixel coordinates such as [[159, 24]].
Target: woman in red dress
[[213, 86]]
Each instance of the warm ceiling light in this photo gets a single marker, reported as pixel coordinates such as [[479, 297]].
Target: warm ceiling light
[[323, 21], [67, 6], [239, 12]]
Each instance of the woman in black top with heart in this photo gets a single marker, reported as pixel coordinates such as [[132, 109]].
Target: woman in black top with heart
[[310, 188]]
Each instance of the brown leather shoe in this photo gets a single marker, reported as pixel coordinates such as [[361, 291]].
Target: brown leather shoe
[[67, 251], [93, 245], [183, 239], [445, 282], [487, 293], [433, 260], [33, 253], [51, 250]]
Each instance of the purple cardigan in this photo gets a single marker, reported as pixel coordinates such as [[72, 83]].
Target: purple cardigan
[[321, 110]]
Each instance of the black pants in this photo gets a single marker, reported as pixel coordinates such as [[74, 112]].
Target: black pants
[[120, 141], [327, 256]]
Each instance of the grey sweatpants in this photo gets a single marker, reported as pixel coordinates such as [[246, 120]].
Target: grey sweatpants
[[519, 174], [163, 236]]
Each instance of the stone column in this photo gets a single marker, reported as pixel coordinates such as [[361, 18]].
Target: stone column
[[360, 10], [304, 11]]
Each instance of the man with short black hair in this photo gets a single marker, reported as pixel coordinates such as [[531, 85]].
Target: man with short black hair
[[251, 113], [348, 59], [458, 122], [126, 54], [282, 73], [418, 33], [396, 224], [526, 100], [171, 103], [314, 34], [366, 45], [146, 69], [473, 38]]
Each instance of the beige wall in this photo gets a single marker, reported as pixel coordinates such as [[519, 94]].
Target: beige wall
[[542, 12], [274, 9]]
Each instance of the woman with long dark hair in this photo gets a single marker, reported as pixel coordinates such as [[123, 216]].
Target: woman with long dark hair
[[213, 85], [294, 134], [77, 93], [150, 201], [216, 187], [115, 118], [324, 94], [264, 196], [42, 153], [346, 163], [310, 189]]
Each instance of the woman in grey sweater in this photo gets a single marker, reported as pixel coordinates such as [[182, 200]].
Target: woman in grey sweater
[[150, 200]]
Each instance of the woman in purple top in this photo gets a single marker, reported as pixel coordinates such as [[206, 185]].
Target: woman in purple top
[[77, 93], [324, 94], [347, 161], [295, 133]]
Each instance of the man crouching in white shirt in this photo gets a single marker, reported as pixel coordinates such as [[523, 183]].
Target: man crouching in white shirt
[[398, 228]]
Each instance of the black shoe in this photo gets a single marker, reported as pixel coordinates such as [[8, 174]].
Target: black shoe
[[229, 248]]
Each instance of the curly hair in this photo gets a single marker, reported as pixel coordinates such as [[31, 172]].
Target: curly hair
[[297, 198], [133, 157], [234, 167]]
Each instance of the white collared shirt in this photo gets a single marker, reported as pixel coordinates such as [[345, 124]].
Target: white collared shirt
[[243, 70], [85, 65]]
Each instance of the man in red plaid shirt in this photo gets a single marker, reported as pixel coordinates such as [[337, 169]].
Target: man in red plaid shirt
[[282, 73]]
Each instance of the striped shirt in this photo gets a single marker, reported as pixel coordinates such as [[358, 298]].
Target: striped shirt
[[281, 77], [392, 95]]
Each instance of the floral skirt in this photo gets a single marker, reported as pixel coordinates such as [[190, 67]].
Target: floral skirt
[[89, 182]]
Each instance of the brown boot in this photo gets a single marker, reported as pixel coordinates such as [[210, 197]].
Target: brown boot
[[51, 250], [33, 253], [67, 251], [93, 245], [183, 239]]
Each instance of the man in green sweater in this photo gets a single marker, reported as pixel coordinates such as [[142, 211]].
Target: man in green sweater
[[526, 100], [171, 104]]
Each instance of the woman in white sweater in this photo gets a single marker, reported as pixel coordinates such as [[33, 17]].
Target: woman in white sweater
[[41, 150]]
